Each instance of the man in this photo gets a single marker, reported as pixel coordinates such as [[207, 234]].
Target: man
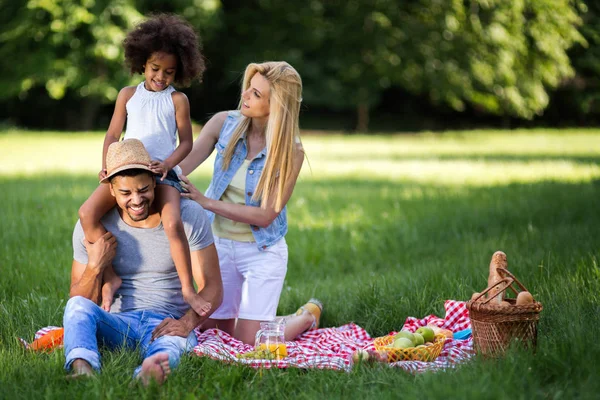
[[149, 311]]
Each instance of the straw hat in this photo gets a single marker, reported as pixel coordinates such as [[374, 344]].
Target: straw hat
[[126, 154]]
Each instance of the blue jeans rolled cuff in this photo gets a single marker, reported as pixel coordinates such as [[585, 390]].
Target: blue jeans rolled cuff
[[90, 356]]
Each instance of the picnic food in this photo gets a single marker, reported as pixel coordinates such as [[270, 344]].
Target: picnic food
[[498, 261], [404, 334], [360, 355], [258, 355], [406, 339], [499, 280], [524, 298], [278, 349], [497, 320], [475, 295], [403, 343], [378, 355], [441, 331], [402, 349], [427, 333], [419, 340]]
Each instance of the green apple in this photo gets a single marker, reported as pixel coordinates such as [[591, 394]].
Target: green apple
[[360, 355], [418, 339], [406, 335], [402, 343], [427, 333]]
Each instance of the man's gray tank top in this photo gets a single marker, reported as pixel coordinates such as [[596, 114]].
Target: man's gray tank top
[[144, 263]]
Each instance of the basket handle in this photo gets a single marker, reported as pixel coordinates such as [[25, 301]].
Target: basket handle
[[504, 271], [505, 282]]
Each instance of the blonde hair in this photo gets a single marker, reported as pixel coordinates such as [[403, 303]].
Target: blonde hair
[[282, 131]]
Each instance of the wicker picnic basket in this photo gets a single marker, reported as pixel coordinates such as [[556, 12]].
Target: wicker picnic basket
[[427, 352], [496, 326]]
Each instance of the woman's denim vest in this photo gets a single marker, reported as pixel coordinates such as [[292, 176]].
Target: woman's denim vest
[[264, 237]]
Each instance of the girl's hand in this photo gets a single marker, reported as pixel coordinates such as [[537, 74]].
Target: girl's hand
[[101, 252], [192, 192], [102, 174], [159, 168]]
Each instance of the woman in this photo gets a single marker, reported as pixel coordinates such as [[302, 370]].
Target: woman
[[259, 157]]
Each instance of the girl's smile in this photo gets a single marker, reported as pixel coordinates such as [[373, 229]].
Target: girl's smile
[[160, 70]]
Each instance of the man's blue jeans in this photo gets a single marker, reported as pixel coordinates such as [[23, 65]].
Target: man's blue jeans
[[86, 325]]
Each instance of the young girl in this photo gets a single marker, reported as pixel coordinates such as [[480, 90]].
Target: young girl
[[165, 49], [259, 156]]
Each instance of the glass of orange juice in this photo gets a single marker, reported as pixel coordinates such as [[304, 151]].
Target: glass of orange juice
[[271, 337]]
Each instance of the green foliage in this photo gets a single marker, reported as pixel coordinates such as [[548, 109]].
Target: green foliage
[[494, 56], [499, 56], [584, 88], [65, 45]]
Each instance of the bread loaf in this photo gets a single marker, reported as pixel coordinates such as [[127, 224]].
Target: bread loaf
[[498, 261], [524, 298]]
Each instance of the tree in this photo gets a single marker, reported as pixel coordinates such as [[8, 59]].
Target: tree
[[496, 56], [65, 45], [500, 56], [581, 93]]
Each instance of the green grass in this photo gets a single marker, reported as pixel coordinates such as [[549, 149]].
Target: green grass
[[381, 228]]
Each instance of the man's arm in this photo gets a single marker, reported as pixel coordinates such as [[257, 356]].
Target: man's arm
[[207, 274], [86, 279]]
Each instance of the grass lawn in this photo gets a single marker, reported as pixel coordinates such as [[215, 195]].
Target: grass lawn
[[381, 228]]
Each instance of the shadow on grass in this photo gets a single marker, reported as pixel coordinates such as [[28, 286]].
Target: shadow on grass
[[496, 158]]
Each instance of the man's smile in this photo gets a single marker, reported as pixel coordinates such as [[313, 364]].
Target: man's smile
[[138, 209]]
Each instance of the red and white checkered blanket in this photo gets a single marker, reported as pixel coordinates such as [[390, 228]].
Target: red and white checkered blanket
[[332, 348]]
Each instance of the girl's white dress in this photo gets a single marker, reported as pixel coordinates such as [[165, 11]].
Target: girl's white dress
[[151, 119]]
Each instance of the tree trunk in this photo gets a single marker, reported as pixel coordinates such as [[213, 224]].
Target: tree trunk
[[362, 115], [89, 111]]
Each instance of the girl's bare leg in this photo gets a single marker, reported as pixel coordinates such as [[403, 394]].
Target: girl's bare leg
[[90, 214], [168, 199], [245, 330], [295, 325], [306, 318]]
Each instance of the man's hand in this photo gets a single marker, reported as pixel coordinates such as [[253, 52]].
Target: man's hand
[[172, 327], [101, 252]]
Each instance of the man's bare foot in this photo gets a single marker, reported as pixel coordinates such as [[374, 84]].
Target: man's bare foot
[[201, 306], [155, 368], [81, 369]]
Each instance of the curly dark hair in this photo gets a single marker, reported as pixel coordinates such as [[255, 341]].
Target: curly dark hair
[[169, 34]]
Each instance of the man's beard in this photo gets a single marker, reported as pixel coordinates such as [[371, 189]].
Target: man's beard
[[139, 217]]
